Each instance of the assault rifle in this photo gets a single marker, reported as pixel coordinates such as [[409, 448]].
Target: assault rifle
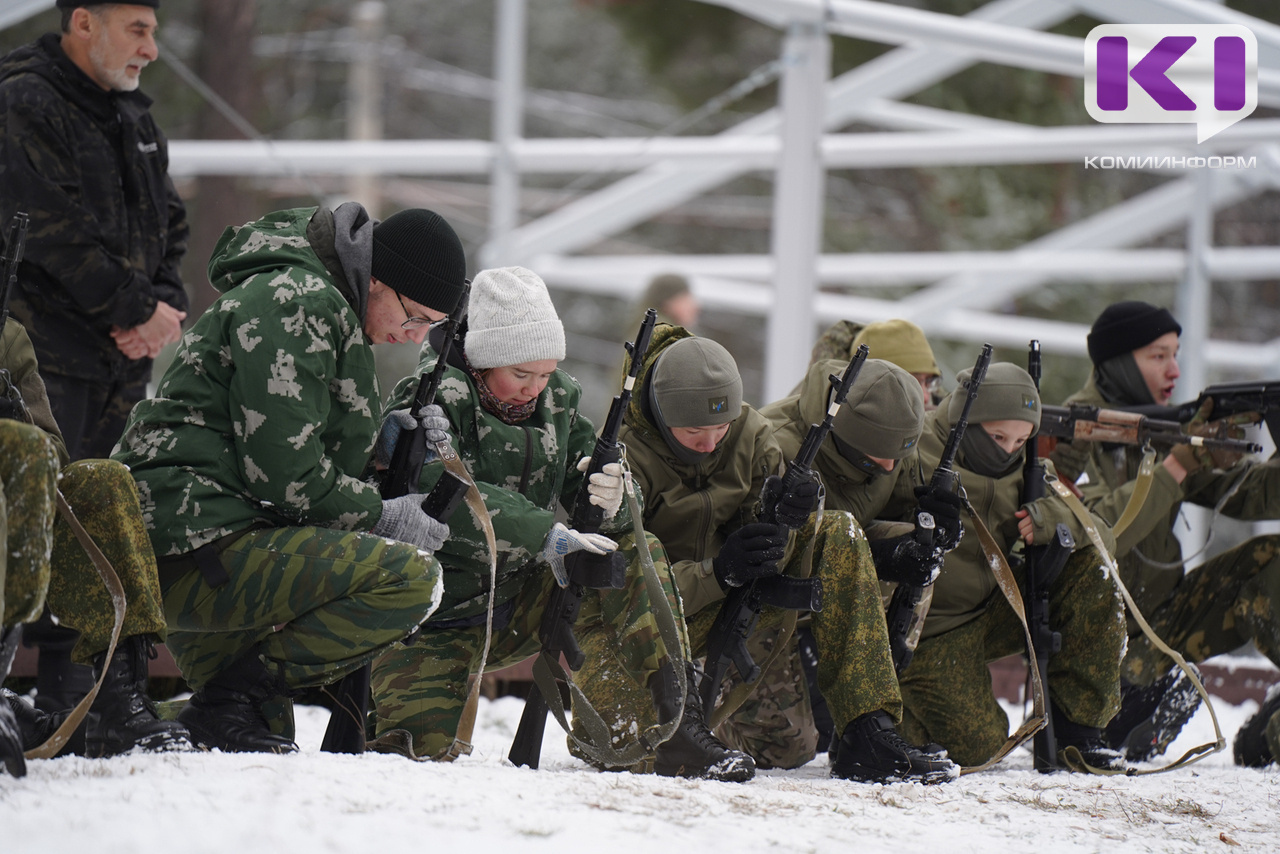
[[1260, 396], [1041, 566], [1128, 427], [15, 241], [582, 569], [346, 733], [741, 608], [906, 598]]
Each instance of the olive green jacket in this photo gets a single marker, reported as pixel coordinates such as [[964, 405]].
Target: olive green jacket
[[966, 584], [18, 357], [848, 487], [693, 508], [1111, 478]]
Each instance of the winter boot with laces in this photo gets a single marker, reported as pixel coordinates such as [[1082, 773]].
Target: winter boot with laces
[[1151, 717], [226, 713], [122, 716], [1089, 742], [1257, 741], [692, 750], [871, 751]]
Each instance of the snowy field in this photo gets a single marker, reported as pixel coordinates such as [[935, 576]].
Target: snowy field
[[317, 802]]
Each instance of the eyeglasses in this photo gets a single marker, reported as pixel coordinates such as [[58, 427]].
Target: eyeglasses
[[413, 321]]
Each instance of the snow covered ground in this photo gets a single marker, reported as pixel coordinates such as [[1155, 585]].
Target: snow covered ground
[[316, 802]]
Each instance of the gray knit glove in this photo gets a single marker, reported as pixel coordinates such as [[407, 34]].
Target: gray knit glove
[[403, 520]]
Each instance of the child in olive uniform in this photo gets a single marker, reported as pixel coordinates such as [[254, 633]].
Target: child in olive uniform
[[522, 435]]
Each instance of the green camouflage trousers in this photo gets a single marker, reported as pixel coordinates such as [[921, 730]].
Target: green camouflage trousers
[[946, 690], [104, 497], [422, 688], [1224, 603], [321, 603], [28, 483], [855, 672]]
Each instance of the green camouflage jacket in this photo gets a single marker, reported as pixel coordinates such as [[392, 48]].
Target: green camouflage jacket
[[107, 231], [693, 508], [966, 583], [522, 470], [18, 357], [1111, 477], [268, 413], [848, 487]]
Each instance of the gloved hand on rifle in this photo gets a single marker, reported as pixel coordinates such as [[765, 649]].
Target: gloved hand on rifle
[[398, 421], [1231, 427], [904, 560], [402, 519], [792, 508], [751, 552], [605, 486], [944, 506], [562, 541]]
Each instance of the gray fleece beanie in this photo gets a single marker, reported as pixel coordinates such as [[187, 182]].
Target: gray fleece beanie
[[883, 415], [1007, 394], [696, 383], [511, 320]]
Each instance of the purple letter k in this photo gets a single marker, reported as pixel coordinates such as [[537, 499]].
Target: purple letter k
[[1149, 73]]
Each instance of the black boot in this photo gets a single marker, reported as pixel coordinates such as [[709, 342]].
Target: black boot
[[122, 716], [871, 751], [60, 682], [10, 736], [692, 750], [1150, 718], [226, 713], [1090, 741], [1251, 748]]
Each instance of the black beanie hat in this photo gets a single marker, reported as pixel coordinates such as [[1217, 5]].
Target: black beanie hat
[[418, 255], [1126, 326], [75, 4]]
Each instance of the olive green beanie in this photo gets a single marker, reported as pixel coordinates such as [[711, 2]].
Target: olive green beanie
[[696, 383], [900, 342], [1007, 394], [883, 415]]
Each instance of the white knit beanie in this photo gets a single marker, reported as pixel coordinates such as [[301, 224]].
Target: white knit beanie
[[511, 320]]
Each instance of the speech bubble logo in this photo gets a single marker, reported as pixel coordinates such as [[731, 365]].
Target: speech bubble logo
[[1206, 74]]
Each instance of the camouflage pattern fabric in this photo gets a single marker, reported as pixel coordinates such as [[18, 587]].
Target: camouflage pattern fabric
[[1224, 603], [268, 413], [108, 230], [322, 602], [946, 690], [28, 485], [103, 496], [855, 672], [422, 688]]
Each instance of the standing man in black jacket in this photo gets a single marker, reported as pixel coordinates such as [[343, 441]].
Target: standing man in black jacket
[[99, 289]]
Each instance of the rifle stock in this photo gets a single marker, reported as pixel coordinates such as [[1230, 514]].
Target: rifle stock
[[583, 569], [740, 611], [1081, 422], [906, 598]]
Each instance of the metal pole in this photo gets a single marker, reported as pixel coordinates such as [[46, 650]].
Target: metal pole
[[797, 207], [364, 95], [508, 125]]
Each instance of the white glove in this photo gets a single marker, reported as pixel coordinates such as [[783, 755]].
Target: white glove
[[605, 486], [402, 519], [432, 421], [562, 541]]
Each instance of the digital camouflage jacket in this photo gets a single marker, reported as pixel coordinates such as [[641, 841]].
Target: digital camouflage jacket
[[522, 470], [966, 582], [693, 508], [107, 230], [268, 413], [1150, 541]]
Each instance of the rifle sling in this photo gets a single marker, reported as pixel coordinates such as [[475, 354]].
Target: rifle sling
[[111, 581], [1141, 488]]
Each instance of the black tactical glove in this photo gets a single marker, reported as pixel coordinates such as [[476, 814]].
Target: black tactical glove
[[944, 506], [10, 399], [751, 552], [792, 508], [905, 561]]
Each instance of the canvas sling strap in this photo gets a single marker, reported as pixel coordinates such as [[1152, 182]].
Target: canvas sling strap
[[59, 739]]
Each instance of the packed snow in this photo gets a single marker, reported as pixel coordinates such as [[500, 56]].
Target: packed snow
[[318, 802]]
